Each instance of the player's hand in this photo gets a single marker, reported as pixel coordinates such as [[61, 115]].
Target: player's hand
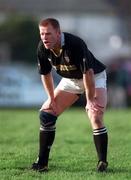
[[49, 105], [93, 106]]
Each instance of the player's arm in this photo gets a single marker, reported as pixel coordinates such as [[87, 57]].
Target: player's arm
[[88, 77], [47, 81], [89, 84], [44, 68]]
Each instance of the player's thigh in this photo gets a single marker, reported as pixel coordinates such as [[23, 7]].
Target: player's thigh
[[64, 100]]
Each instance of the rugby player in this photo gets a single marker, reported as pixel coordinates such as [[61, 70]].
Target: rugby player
[[81, 73]]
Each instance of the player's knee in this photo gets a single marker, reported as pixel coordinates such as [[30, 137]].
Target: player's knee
[[47, 121], [97, 121], [96, 117]]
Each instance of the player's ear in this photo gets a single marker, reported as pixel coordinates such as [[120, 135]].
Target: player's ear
[[58, 32]]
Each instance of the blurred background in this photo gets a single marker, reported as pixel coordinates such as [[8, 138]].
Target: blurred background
[[105, 25]]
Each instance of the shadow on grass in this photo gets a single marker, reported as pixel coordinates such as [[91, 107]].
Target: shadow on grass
[[119, 171], [73, 169], [60, 168]]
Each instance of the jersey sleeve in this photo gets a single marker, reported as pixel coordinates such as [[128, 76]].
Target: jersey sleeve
[[44, 66], [87, 58], [89, 61]]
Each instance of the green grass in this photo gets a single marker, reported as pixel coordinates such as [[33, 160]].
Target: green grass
[[73, 156]]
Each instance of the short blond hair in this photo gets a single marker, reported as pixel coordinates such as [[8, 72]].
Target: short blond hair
[[52, 21]]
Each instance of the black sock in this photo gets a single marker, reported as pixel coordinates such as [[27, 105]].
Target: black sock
[[101, 143], [46, 139]]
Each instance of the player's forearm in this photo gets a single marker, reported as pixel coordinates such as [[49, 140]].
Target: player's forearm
[[48, 84], [89, 84]]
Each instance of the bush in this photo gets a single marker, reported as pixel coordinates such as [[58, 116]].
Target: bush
[[21, 32]]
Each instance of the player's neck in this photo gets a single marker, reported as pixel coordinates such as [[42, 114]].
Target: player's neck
[[57, 50]]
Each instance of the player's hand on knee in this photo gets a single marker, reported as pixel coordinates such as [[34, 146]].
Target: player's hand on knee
[[93, 106], [49, 105]]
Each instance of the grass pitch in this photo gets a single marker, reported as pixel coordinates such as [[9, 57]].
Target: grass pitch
[[73, 154]]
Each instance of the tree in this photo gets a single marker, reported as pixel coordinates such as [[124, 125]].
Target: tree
[[21, 32]]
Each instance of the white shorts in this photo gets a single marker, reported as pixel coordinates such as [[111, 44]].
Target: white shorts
[[76, 86]]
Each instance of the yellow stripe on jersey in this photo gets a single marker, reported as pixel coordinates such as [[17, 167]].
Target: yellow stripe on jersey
[[65, 67]]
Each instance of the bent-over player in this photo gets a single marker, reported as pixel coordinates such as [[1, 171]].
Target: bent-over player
[[81, 72]]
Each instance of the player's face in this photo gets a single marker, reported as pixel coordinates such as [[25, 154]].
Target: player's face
[[49, 36]]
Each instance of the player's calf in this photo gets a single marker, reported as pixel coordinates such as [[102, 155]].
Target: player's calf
[[46, 139]]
